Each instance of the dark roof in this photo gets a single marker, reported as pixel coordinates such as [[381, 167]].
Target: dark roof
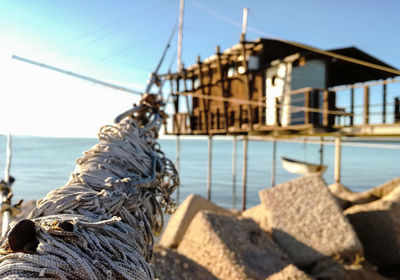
[[341, 72]]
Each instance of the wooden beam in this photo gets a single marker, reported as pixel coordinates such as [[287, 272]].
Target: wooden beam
[[273, 169], [234, 172], [221, 83], [177, 164], [325, 107], [190, 113], [384, 103], [205, 107], [247, 84], [244, 176], [366, 105], [352, 106], [338, 158], [306, 105], [209, 167]]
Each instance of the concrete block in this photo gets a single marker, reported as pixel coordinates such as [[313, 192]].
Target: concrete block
[[378, 227], [180, 220], [170, 265], [231, 248], [307, 222], [260, 215]]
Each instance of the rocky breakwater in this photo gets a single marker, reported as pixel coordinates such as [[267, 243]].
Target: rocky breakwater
[[302, 229]]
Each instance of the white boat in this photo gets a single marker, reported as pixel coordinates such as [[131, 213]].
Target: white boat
[[302, 167]]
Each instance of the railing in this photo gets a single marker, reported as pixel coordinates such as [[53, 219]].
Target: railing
[[335, 108]]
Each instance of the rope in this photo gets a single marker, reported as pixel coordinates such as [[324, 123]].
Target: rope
[[99, 225]]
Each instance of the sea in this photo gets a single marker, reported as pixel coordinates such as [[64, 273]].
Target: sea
[[41, 164]]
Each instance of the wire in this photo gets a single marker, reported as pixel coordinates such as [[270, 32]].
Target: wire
[[116, 24]]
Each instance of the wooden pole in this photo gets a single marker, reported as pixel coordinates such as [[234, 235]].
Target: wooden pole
[[325, 106], [209, 167], [222, 88], [352, 106], [321, 152], [337, 159], [177, 163], [366, 105], [180, 36], [384, 104], [244, 176], [273, 169], [234, 172]]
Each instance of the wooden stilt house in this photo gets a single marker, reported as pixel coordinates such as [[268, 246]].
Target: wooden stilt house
[[281, 87]]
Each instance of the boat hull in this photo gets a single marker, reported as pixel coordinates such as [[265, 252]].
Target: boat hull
[[301, 167]]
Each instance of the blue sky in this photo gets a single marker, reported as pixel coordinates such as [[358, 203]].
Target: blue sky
[[121, 41]]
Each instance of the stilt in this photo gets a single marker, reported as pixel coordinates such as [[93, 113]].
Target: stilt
[[273, 169], [244, 177], [209, 167], [177, 164], [234, 172], [321, 152], [337, 159]]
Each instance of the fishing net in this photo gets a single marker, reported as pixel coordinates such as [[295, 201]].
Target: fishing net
[[99, 225]]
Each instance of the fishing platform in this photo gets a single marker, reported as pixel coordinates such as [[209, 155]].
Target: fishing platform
[[284, 88]]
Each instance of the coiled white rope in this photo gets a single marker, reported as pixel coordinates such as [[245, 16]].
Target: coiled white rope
[[99, 225]]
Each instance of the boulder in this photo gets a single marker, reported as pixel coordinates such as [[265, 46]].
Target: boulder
[[259, 214], [364, 271], [385, 189], [378, 227], [231, 248], [307, 222], [170, 265], [290, 272], [349, 198], [180, 220]]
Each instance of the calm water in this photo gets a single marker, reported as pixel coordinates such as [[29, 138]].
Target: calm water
[[42, 164]]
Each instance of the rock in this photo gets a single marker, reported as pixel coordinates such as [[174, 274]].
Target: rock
[[231, 248], [290, 272], [385, 189], [349, 198], [308, 223], [170, 265], [364, 271], [181, 219], [328, 269], [378, 226], [259, 214]]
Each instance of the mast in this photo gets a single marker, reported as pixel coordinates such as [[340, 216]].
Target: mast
[[244, 23], [179, 55], [179, 69]]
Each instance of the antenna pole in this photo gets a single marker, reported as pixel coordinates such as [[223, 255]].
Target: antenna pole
[[244, 23], [179, 55]]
